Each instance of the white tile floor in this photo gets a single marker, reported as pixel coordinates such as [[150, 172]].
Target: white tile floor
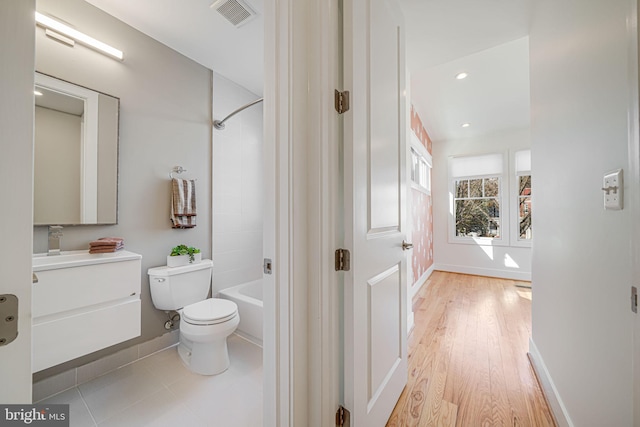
[[159, 391]]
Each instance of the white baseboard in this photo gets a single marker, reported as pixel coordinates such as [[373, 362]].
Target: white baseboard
[[413, 290], [410, 322], [489, 272], [548, 387]]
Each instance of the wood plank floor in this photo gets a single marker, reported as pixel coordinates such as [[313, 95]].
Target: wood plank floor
[[468, 363]]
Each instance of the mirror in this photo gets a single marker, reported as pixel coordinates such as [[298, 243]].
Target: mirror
[[76, 154]]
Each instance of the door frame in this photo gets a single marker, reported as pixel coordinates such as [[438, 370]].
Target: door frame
[[16, 124], [325, 221], [302, 342], [301, 345], [633, 183]]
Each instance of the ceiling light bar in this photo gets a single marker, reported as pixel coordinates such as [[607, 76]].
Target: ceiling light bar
[[466, 125], [462, 75], [76, 35]]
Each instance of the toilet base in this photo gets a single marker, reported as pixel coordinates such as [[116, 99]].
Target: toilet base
[[209, 358]]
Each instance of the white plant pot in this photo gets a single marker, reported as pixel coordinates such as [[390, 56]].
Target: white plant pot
[[180, 260], [177, 261]]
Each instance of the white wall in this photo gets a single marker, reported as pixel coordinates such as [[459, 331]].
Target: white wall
[[472, 258], [580, 94], [165, 116], [238, 187]]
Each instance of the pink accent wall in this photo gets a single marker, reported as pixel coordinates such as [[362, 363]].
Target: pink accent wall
[[421, 212]]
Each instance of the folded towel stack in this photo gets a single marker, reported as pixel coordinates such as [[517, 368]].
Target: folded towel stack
[[106, 245], [183, 203]]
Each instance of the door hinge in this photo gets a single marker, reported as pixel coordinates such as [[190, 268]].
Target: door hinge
[[634, 299], [342, 101], [343, 417], [343, 260], [8, 319]]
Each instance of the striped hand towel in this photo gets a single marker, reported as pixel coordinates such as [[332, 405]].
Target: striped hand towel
[[183, 203]]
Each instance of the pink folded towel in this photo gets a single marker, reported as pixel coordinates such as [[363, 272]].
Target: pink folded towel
[[106, 244], [108, 241]]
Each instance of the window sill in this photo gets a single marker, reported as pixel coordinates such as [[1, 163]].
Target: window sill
[[478, 241], [420, 188]]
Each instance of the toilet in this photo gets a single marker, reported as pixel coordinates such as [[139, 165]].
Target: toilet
[[205, 323]]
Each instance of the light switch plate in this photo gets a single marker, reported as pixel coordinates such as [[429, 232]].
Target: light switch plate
[[613, 190]]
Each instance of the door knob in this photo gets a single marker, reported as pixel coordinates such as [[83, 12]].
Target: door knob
[[406, 246]]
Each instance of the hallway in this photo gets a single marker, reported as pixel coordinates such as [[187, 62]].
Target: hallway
[[468, 363]]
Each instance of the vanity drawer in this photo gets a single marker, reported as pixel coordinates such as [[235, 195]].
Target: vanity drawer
[[65, 338], [66, 289]]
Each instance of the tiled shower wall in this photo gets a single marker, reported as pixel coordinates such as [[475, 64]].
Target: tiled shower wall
[[237, 187], [422, 212]]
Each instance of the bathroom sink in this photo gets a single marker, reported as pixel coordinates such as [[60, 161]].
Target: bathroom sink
[[68, 259]]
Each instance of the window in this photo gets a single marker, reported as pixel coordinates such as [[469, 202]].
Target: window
[[477, 207], [420, 171], [523, 179], [476, 195]]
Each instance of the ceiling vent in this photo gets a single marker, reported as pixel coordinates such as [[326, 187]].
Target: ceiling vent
[[235, 11]]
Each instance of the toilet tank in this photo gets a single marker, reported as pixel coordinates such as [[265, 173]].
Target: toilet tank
[[175, 287]]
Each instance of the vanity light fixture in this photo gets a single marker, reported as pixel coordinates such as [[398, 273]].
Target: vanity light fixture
[[58, 27], [462, 75]]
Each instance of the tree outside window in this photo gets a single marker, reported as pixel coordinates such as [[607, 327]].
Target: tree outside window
[[477, 207], [524, 206]]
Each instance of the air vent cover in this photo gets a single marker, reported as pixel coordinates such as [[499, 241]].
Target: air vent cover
[[235, 11]]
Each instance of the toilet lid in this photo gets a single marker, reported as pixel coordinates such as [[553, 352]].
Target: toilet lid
[[212, 310]]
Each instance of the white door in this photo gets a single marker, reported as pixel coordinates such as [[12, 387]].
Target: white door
[[17, 44], [375, 353]]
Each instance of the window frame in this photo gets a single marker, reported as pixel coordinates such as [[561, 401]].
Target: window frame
[[503, 191], [515, 200], [422, 154]]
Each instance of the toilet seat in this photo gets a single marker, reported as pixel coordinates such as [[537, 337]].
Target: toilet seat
[[210, 312]]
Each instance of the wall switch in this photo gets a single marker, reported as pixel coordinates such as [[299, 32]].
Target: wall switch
[[613, 190]]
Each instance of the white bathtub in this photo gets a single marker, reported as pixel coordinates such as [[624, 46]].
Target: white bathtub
[[248, 297]]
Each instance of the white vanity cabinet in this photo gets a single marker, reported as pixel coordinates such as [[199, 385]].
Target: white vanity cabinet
[[82, 303]]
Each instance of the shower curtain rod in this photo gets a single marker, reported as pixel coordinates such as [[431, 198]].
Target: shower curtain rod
[[219, 124]]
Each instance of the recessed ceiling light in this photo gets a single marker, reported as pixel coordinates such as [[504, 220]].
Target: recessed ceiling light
[[466, 125], [462, 75], [36, 93]]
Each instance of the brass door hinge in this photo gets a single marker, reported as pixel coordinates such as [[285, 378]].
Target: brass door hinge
[[342, 101], [343, 417], [343, 260]]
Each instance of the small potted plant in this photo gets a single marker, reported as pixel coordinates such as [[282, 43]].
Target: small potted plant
[[183, 255]]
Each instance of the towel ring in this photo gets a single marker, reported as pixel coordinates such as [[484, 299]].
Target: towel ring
[[176, 169]]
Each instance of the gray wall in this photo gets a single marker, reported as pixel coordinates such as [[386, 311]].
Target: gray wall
[[165, 116], [580, 95]]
